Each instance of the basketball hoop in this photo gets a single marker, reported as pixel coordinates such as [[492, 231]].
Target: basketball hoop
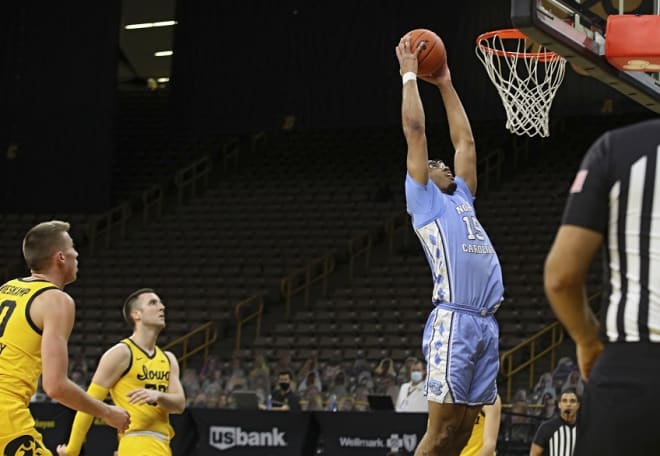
[[526, 80]]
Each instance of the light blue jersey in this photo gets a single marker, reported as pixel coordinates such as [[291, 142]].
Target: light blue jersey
[[464, 265], [460, 341]]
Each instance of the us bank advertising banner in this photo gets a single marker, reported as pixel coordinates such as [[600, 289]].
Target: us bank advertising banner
[[263, 433]]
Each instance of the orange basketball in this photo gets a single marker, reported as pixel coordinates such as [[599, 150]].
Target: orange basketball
[[433, 57]]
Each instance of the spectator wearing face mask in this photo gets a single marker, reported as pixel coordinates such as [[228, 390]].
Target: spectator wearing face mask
[[411, 395], [283, 397]]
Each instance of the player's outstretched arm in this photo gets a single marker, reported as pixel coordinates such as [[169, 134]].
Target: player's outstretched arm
[[112, 365], [412, 113], [465, 157], [565, 274], [54, 312]]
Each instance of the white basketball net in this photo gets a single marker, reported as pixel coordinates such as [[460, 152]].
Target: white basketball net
[[526, 81]]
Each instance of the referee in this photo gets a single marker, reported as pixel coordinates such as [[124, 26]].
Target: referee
[[614, 201], [556, 437]]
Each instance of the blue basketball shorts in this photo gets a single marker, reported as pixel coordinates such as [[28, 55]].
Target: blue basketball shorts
[[461, 349]]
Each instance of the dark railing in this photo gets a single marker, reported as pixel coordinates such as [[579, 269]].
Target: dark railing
[[302, 279], [530, 352], [209, 334], [489, 169], [359, 246], [152, 203], [192, 178], [398, 224], [245, 311], [110, 225], [533, 353], [231, 153]]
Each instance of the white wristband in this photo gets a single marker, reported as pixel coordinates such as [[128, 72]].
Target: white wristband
[[408, 76]]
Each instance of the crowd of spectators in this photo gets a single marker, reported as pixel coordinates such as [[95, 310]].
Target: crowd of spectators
[[334, 384]]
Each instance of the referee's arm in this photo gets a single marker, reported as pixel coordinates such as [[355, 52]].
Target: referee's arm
[[541, 439], [584, 223], [566, 269], [535, 450]]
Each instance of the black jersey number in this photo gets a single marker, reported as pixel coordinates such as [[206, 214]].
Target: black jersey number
[[153, 386], [6, 309]]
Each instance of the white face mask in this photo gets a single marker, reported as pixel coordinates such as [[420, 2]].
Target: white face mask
[[416, 376]]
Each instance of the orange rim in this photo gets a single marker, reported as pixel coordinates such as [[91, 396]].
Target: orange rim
[[512, 34]]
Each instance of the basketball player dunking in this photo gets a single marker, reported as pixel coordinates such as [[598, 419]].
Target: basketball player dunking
[[460, 339]]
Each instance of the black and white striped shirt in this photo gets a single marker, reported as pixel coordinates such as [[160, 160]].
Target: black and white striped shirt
[[556, 437], [615, 193]]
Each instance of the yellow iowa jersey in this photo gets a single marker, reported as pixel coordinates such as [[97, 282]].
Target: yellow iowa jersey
[[20, 342], [477, 438], [144, 371]]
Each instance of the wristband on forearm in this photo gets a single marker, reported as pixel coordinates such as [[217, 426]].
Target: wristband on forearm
[[408, 76], [83, 421]]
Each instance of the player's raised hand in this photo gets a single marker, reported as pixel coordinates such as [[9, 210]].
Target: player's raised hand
[[408, 57], [442, 77]]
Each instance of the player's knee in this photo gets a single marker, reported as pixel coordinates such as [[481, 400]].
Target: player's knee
[[441, 440]]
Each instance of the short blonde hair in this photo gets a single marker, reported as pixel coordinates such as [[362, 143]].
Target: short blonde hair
[[42, 241]]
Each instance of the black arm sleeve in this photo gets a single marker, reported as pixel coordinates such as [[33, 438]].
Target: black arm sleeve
[[543, 434], [588, 200]]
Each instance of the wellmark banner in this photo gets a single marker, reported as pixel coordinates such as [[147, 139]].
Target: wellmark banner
[[347, 434]]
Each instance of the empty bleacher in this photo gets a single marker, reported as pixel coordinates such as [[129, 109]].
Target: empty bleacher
[[302, 195]]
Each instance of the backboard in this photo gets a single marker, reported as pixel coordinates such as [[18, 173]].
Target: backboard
[[575, 29]]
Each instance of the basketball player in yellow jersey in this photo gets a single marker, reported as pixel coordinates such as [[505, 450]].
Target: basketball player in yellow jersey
[[36, 319], [141, 378], [483, 440]]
